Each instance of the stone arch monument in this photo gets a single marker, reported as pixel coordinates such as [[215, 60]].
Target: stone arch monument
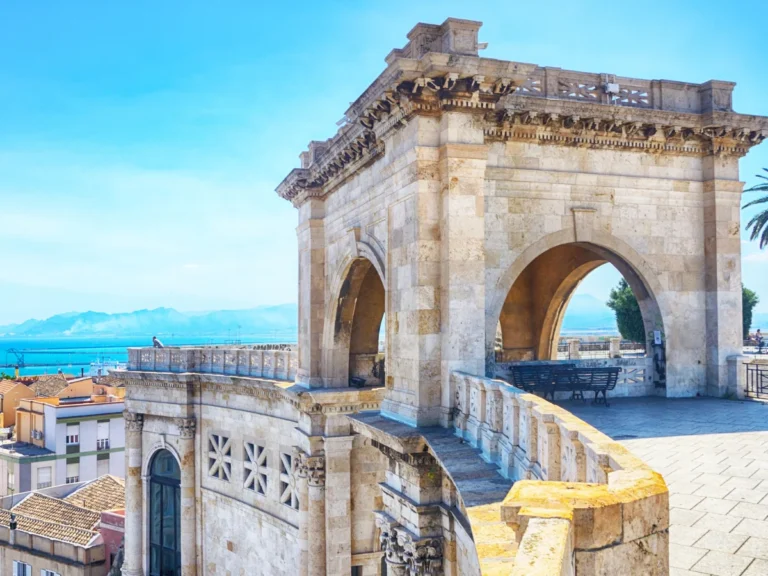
[[461, 193], [465, 173]]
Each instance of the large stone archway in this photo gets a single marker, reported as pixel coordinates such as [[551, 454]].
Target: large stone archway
[[535, 304]]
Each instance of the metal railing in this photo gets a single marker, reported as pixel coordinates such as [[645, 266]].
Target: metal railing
[[757, 380]]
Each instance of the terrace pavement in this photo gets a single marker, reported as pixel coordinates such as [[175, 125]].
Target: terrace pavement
[[713, 455]]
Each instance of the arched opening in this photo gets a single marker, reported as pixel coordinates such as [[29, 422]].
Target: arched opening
[[592, 325], [358, 336], [164, 515], [532, 314]]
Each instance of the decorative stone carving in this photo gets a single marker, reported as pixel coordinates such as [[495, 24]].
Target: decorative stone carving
[[186, 427], [406, 554], [133, 422], [310, 467]]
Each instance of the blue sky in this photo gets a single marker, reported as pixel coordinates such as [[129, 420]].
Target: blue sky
[[141, 142]]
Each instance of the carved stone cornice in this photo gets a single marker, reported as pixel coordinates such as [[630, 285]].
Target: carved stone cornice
[[134, 422], [653, 115], [598, 126], [310, 467], [186, 427]]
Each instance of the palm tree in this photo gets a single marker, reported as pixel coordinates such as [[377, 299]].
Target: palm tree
[[759, 223]]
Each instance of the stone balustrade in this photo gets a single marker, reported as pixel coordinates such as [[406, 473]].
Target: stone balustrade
[[550, 82], [581, 502], [270, 361]]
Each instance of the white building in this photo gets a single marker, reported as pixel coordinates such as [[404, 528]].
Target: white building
[[63, 441]]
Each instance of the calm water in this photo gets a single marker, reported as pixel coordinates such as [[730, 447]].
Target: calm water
[[71, 354]]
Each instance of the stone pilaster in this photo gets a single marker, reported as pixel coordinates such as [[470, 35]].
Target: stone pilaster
[[722, 261], [462, 162], [312, 468], [134, 424], [338, 505], [311, 238], [188, 536], [302, 489]]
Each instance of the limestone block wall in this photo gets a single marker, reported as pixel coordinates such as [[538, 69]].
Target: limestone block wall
[[240, 540], [648, 215]]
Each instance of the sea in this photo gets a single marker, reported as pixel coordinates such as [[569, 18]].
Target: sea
[[74, 355]]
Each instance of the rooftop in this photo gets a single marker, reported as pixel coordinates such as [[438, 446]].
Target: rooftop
[[64, 533], [73, 519], [14, 448], [103, 493], [56, 511]]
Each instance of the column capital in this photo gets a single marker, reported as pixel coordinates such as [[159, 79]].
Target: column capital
[[134, 422], [186, 427], [405, 553], [310, 467]]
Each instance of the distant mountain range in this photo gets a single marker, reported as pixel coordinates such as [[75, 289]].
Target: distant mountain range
[[585, 313], [260, 320]]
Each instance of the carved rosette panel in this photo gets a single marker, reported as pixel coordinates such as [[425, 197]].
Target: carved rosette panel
[[133, 422]]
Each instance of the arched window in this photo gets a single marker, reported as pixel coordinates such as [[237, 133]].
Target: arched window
[[164, 516]]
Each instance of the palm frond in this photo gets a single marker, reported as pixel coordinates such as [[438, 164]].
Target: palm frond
[[758, 227], [759, 187], [762, 200]]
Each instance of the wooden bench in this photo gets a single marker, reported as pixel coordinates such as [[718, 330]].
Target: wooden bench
[[539, 378], [546, 379], [598, 380]]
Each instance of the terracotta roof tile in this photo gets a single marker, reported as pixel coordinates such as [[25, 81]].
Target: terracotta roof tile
[[69, 534], [8, 385], [53, 510], [104, 493], [49, 385]]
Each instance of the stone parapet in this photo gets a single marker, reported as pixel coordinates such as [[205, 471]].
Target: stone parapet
[[581, 502], [273, 361]]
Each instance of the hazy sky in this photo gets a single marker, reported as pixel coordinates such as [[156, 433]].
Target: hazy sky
[[141, 142]]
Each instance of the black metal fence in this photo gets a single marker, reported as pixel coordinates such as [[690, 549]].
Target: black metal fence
[[757, 380]]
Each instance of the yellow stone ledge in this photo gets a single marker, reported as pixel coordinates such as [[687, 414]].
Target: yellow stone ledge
[[537, 527]]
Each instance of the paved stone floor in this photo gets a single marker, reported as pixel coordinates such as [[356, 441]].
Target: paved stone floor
[[714, 456]]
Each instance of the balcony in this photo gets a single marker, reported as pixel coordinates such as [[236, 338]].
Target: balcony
[[270, 361]]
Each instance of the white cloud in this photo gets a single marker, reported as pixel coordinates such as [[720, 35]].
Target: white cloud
[[757, 257]]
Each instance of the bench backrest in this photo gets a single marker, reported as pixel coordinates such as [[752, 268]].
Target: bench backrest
[[532, 375], [605, 377]]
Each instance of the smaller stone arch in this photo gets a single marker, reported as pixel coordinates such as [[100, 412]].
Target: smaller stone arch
[[354, 313]]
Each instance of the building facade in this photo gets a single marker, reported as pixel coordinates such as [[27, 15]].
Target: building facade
[[462, 197], [61, 531], [63, 441]]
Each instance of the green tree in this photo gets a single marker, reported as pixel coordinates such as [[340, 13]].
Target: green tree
[[628, 316], [748, 302], [759, 223]]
